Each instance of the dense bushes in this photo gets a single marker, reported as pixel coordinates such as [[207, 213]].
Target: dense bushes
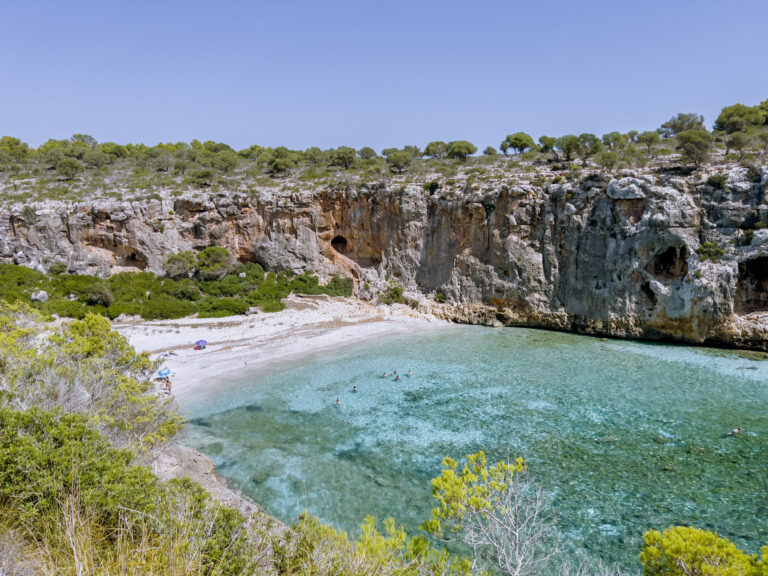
[[682, 551], [83, 366], [41, 455], [211, 284], [86, 505]]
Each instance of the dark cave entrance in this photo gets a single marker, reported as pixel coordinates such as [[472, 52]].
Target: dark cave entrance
[[670, 263], [340, 244], [752, 285]]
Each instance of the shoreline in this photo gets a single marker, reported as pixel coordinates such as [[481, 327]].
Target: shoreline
[[239, 344]]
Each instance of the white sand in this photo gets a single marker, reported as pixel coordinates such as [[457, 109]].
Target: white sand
[[245, 343]]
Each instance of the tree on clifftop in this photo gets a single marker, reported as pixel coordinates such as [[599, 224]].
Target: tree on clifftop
[[589, 145], [436, 149], [569, 146], [737, 117], [366, 153], [695, 146], [519, 142], [14, 147], [399, 160], [68, 168], [648, 139], [738, 141], [680, 123], [547, 143], [343, 156], [460, 149]]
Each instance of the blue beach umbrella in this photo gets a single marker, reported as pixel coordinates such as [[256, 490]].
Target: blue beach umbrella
[[164, 372], [201, 343]]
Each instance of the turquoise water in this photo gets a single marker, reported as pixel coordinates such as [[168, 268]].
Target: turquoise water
[[624, 436]]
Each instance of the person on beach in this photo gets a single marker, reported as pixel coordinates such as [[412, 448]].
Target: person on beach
[[338, 402], [168, 385]]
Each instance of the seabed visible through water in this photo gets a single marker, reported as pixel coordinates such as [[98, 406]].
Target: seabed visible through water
[[624, 436]]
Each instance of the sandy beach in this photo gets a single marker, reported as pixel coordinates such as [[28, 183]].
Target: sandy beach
[[308, 325]]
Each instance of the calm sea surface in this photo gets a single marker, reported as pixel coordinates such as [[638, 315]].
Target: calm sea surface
[[623, 436]]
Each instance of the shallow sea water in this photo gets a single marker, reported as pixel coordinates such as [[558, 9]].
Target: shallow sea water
[[624, 436]]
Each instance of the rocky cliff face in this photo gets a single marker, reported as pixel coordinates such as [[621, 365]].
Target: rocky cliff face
[[618, 256]]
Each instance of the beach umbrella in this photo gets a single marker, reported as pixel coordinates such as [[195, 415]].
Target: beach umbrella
[[201, 343], [164, 372]]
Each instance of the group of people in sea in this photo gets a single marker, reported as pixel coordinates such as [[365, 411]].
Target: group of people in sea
[[384, 375]]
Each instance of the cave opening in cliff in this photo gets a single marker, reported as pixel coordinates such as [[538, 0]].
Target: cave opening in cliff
[[752, 285], [340, 244], [670, 263], [648, 294]]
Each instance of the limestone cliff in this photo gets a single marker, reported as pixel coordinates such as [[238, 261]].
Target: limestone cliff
[[613, 255]]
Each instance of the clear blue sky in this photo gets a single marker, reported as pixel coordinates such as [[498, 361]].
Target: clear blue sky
[[363, 73]]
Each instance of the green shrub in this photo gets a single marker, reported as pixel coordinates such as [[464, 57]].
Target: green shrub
[[431, 187], [339, 286], [710, 251], [253, 271], [214, 263], [271, 306], [164, 308], [393, 295], [184, 289], [98, 294], [127, 308], [228, 286], [181, 265], [440, 297], [133, 286], [220, 307], [754, 173], [717, 181], [57, 268], [65, 483], [80, 285], [682, 551], [67, 308], [306, 283], [204, 178], [17, 281], [42, 454]]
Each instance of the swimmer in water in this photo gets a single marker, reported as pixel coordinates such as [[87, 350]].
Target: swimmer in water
[[354, 388], [410, 372], [397, 378], [735, 431], [338, 402]]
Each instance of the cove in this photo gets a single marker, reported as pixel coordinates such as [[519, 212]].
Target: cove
[[624, 436]]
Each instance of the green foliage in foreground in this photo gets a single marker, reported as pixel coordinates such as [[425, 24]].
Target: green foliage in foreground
[[317, 549], [688, 551], [83, 366], [84, 504], [222, 288], [87, 506]]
